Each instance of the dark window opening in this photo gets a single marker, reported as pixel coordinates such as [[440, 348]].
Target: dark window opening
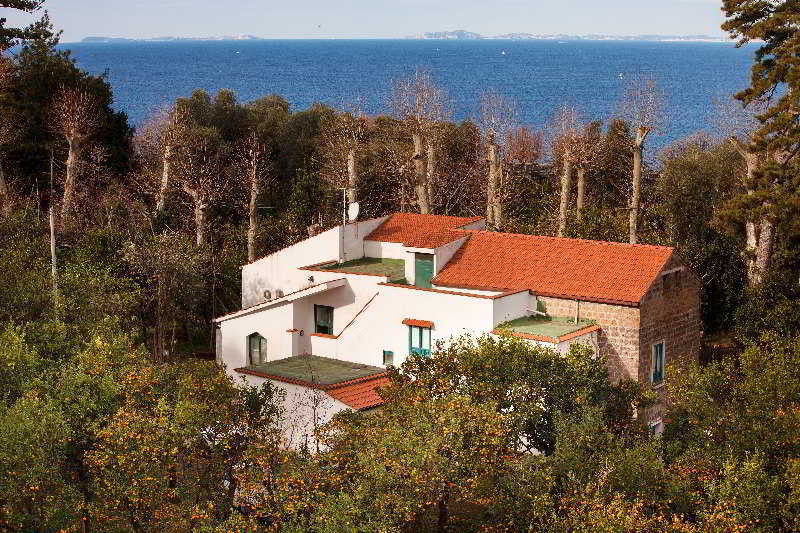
[[323, 319]]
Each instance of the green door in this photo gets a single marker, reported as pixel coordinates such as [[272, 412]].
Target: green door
[[423, 270]]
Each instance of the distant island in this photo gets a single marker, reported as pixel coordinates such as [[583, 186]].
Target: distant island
[[170, 39], [468, 35], [446, 35]]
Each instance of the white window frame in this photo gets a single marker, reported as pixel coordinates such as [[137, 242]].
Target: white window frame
[[653, 363]]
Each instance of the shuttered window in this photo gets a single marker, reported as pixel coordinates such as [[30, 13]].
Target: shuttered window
[[419, 341], [658, 364]]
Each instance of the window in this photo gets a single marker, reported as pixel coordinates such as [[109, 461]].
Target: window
[[323, 319], [419, 341], [257, 349], [659, 361], [388, 357]]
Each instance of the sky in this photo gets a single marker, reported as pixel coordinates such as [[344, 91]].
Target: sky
[[376, 18]]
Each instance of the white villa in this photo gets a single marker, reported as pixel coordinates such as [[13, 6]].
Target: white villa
[[324, 318]]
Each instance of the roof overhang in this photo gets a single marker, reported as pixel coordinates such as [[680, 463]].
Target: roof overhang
[[305, 292]]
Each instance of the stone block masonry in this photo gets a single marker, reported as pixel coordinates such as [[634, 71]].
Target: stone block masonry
[[669, 312]]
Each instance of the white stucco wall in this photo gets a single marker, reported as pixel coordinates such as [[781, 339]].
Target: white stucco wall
[[444, 253], [477, 225], [588, 339], [279, 270], [512, 306], [271, 324], [380, 327], [302, 406], [468, 291]]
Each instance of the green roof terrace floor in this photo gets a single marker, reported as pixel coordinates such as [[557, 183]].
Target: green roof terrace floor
[[314, 369], [394, 269], [546, 326]]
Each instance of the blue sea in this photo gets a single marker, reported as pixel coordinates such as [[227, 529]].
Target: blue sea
[[540, 75]]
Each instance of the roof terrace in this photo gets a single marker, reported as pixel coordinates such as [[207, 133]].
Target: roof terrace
[[394, 269], [312, 370], [546, 328]]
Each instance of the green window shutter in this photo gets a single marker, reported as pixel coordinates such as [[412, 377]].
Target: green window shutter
[[423, 270]]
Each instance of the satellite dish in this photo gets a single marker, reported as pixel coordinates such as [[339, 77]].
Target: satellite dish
[[352, 211]]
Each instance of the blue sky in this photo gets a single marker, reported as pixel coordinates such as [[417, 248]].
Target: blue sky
[[378, 18]]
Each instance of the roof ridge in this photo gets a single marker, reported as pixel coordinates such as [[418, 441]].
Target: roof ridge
[[571, 239]]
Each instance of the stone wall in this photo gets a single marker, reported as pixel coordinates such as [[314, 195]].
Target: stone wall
[[670, 312], [618, 339]]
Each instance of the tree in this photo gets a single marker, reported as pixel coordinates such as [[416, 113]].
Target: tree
[[642, 105], [774, 81], [733, 431], [344, 135], [40, 29], [588, 148], [565, 142], [75, 117], [498, 117], [699, 178], [418, 102]]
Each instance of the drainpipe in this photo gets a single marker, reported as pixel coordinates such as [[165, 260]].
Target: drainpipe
[[577, 311]]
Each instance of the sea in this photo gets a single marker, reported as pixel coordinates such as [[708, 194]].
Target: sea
[[541, 76]]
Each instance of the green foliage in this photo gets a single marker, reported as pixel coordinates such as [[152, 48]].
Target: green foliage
[[773, 307], [39, 30], [530, 383], [18, 364], [696, 186]]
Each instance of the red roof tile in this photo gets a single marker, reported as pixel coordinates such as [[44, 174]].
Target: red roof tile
[[420, 231], [418, 323], [360, 394], [597, 271]]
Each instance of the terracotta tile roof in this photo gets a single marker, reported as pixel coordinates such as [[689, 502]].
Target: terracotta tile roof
[[360, 394], [418, 323], [616, 273], [420, 231]]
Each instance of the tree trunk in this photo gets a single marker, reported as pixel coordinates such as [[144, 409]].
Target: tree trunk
[[581, 191], [491, 183], [53, 264], [252, 228], [352, 177], [764, 252], [750, 157], [444, 514], [69, 181], [5, 194], [638, 149], [430, 168], [200, 208], [566, 186], [498, 196], [165, 175], [420, 186]]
